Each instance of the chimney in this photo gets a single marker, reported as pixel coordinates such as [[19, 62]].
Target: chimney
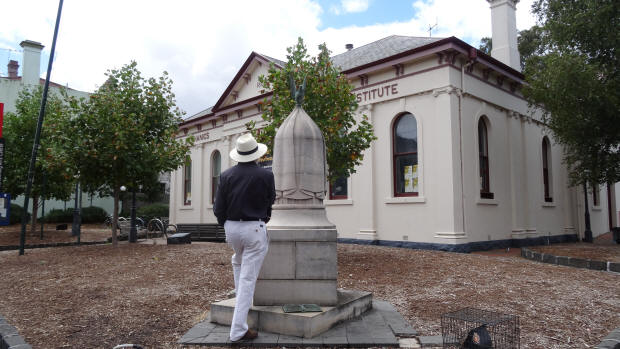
[[13, 66], [32, 62], [349, 47], [504, 23]]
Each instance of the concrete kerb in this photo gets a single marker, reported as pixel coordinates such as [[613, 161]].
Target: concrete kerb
[[55, 244], [10, 338], [570, 261]]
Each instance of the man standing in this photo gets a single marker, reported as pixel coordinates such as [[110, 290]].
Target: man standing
[[243, 206]]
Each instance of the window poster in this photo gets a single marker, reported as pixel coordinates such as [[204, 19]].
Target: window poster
[[411, 178]]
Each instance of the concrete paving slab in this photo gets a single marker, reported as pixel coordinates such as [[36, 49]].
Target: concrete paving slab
[[409, 343], [430, 341], [289, 341]]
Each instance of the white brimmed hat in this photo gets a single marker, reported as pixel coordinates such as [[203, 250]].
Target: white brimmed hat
[[247, 149]]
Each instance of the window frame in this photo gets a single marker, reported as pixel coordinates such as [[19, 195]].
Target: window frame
[[332, 196], [484, 164], [396, 155], [547, 173], [187, 182], [215, 180], [596, 197]]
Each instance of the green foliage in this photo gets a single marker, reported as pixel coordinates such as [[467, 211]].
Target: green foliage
[[573, 78], [19, 130], [17, 212], [486, 45], [93, 214], [328, 100], [59, 216], [149, 212], [123, 134]]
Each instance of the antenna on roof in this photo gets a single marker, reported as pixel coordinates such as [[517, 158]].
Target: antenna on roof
[[431, 27]]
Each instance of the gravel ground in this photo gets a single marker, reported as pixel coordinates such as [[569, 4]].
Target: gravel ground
[[101, 296]]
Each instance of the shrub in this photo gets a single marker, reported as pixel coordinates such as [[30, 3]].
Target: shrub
[[59, 216], [16, 214], [151, 211], [93, 214]]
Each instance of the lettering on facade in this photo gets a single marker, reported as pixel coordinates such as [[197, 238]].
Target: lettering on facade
[[377, 92], [202, 136]]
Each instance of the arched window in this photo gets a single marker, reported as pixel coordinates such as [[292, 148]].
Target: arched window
[[216, 169], [546, 165], [483, 161], [405, 160], [187, 182]]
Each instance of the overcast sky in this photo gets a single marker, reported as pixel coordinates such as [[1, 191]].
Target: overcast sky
[[202, 44]]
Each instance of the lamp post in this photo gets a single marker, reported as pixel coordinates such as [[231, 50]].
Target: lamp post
[[588, 233], [77, 219], [133, 233]]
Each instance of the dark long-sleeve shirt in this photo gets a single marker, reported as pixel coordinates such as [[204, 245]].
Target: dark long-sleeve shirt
[[246, 192]]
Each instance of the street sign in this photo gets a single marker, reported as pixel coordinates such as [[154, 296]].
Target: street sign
[[5, 208]]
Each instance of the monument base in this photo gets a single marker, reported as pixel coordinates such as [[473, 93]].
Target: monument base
[[273, 319]]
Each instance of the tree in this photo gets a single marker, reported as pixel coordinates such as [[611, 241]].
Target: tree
[[328, 100], [528, 43], [573, 78], [19, 137], [123, 135]]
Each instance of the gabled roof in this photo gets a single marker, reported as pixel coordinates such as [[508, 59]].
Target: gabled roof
[[378, 50], [244, 67]]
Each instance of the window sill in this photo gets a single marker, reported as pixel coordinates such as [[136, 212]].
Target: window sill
[[405, 200], [186, 207], [596, 208], [339, 202], [548, 204], [481, 201]]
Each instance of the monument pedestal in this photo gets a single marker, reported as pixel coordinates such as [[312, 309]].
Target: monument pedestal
[[273, 319], [301, 264]]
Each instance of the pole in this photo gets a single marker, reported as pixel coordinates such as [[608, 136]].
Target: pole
[[75, 227], [133, 233], [43, 204], [79, 220], [37, 135], [588, 233]]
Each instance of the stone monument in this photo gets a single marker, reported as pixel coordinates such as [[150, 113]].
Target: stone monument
[[301, 264]]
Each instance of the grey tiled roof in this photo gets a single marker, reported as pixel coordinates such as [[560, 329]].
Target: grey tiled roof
[[274, 60], [379, 49], [197, 115]]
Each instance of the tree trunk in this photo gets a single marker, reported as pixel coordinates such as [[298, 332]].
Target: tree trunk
[[35, 207], [115, 218]]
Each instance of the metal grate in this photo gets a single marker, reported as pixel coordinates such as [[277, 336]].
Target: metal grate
[[457, 326]]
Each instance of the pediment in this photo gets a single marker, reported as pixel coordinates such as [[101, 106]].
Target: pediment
[[245, 84]]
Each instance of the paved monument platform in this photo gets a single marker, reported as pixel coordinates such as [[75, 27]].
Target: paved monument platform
[[350, 304], [381, 326]]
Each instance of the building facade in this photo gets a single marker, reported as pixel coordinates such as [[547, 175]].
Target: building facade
[[460, 161]]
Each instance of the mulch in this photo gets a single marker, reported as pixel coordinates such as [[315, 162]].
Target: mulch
[[101, 296]]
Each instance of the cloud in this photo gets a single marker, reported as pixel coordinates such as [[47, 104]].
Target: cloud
[[203, 44], [350, 6]]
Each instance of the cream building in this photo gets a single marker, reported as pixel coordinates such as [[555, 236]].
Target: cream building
[[461, 163]]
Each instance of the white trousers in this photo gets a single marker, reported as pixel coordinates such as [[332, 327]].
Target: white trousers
[[249, 241]]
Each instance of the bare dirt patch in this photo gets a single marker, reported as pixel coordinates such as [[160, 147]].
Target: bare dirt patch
[[101, 296], [9, 235]]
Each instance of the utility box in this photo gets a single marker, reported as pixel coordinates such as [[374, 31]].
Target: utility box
[[5, 208]]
